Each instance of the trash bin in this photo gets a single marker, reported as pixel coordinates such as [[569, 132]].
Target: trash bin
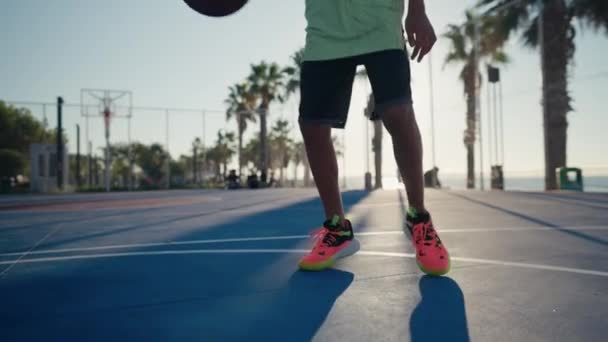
[[570, 178]]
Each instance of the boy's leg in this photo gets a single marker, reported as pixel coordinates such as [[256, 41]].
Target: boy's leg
[[401, 124], [389, 74], [326, 88], [324, 167], [431, 254]]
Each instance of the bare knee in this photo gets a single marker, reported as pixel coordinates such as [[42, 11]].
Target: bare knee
[[398, 118]]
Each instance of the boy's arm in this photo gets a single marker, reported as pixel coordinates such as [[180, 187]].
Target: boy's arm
[[420, 33]]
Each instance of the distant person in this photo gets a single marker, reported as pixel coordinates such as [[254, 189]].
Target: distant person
[[233, 180], [340, 35], [263, 177], [232, 177], [431, 178]]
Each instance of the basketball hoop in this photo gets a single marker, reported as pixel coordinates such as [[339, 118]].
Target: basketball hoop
[[110, 103]]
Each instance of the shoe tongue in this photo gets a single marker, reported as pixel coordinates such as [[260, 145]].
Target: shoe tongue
[[333, 223], [419, 217]]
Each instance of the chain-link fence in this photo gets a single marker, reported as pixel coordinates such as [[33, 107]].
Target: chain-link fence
[[169, 147]]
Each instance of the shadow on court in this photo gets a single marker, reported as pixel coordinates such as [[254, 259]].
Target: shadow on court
[[535, 220], [441, 313], [274, 218], [188, 297], [301, 307]]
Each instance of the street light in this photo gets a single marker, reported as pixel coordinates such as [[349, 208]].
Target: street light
[[542, 52]]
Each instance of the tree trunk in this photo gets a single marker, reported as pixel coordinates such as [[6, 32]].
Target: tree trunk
[[281, 175], [557, 51], [470, 166], [377, 147], [471, 123], [263, 144]]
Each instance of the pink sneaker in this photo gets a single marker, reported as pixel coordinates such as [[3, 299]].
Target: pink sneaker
[[431, 255], [332, 242]]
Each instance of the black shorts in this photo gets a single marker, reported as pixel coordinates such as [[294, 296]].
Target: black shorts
[[326, 86]]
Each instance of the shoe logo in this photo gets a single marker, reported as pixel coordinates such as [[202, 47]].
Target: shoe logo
[[322, 253]]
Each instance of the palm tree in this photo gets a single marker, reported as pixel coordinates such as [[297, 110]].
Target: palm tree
[[281, 146], [293, 72], [122, 159], [462, 51], [251, 152], [241, 102], [558, 46], [227, 150], [267, 83], [222, 153], [151, 159], [292, 86]]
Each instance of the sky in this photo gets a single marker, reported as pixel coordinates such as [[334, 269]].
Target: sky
[[169, 56]]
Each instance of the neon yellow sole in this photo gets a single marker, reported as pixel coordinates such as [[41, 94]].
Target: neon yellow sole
[[318, 266], [434, 272]]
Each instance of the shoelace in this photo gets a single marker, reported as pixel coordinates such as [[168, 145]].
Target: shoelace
[[427, 234], [322, 237]]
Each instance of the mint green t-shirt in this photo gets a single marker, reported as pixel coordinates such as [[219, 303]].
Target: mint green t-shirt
[[343, 28]]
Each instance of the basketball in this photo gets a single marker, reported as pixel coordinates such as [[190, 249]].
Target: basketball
[[216, 8]]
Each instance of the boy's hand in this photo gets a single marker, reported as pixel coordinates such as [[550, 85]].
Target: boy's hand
[[420, 34]]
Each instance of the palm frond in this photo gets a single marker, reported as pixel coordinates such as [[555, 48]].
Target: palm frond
[[592, 12], [500, 57], [530, 34], [458, 44]]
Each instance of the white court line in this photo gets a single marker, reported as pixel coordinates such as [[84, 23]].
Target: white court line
[[286, 237], [302, 251], [24, 254], [161, 244], [498, 229], [166, 252], [497, 262]]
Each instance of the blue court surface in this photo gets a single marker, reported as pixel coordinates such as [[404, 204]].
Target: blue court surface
[[222, 266]]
